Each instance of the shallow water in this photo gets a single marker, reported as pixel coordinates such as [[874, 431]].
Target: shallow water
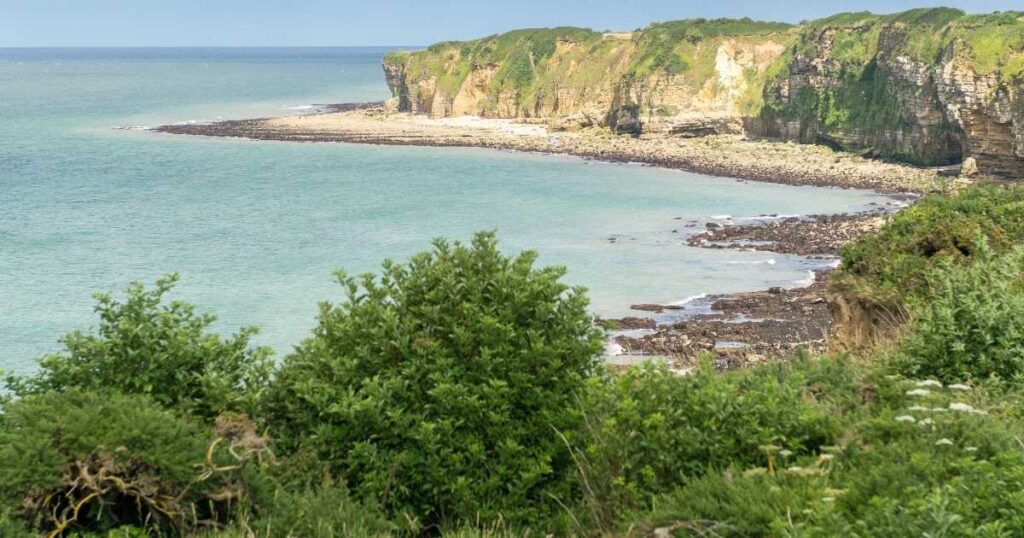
[[256, 228]]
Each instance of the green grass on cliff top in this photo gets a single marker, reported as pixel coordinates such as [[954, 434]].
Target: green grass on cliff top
[[994, 41]]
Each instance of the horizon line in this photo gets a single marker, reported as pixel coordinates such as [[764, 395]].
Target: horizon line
[[211, 46]]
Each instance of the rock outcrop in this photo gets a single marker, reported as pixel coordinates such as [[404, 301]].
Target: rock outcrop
[[929, 86], [687, 77]]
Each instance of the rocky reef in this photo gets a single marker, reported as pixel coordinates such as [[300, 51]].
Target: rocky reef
[[928, 86]]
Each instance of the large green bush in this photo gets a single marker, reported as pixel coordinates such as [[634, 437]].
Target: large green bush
[[85, 461], [440, 389], [164, 350], [971, 325]]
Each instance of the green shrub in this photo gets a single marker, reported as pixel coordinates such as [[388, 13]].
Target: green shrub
[[92, 462], [13, 527], [971, 326], [325, 510], [651, 430], [160, 349], [925, 461], [439, 388]]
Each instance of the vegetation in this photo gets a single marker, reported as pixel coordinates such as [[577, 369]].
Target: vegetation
[[441, 389], [88, 461], [162, 350], [458, 394]]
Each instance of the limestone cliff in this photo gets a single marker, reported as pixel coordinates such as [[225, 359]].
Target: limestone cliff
[[929, 86], [686, 76]]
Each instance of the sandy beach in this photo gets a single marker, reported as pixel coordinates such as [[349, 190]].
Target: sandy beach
[[723, 155]]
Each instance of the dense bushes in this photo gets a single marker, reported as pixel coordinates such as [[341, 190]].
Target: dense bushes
[[921, 460], [650, 430], [96, 461], [971, 323], [440, 389], [459, 394], [162, 350], [897, 260]]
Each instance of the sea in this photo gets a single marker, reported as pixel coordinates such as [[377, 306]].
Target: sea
[[90, 200]]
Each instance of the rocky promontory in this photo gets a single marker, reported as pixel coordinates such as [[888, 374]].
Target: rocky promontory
[[930, 87]]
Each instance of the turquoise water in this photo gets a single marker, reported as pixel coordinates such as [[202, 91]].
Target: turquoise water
[[256, 228]]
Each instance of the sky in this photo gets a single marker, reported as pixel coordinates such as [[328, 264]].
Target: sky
[[169, 23]]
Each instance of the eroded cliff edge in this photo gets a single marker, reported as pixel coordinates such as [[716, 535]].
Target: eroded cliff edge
[[928, 86]]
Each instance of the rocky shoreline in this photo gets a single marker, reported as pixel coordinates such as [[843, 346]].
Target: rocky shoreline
[[738, 329], [720, 155], [741, 329]]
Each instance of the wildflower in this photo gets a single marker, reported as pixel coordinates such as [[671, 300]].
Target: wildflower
[[943, 442], [756, 471], [938, 409], [905, 418], [785, 453], [929, 383], [927, 422], [918, 392], [831, 492], [959, 386], [829, 499], [970, 448], [801, 471], [957, 406], [769, 449], [825, 457], [918, 408]]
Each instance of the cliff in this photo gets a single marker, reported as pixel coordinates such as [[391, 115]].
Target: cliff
[[689, 76], [927, 86]]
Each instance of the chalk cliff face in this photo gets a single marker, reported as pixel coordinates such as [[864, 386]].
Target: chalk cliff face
[[928, 86], [683, 76]]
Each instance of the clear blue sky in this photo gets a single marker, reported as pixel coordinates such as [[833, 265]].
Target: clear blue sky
[[71, 23]]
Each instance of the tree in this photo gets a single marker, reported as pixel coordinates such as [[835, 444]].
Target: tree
[[440, 388]]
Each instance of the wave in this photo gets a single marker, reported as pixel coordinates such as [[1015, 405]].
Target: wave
[[770, 261], [301, 107], [804, 282], [689, 299], [721, 217], [767, 218]]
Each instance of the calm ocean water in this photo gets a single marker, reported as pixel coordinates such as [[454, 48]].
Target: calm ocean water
[[256, 228]]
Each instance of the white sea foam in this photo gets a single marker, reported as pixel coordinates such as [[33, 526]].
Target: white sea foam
[[770, 261], [301, 107], [689, 299], [721, 217], [766, 218], [804, 282]]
